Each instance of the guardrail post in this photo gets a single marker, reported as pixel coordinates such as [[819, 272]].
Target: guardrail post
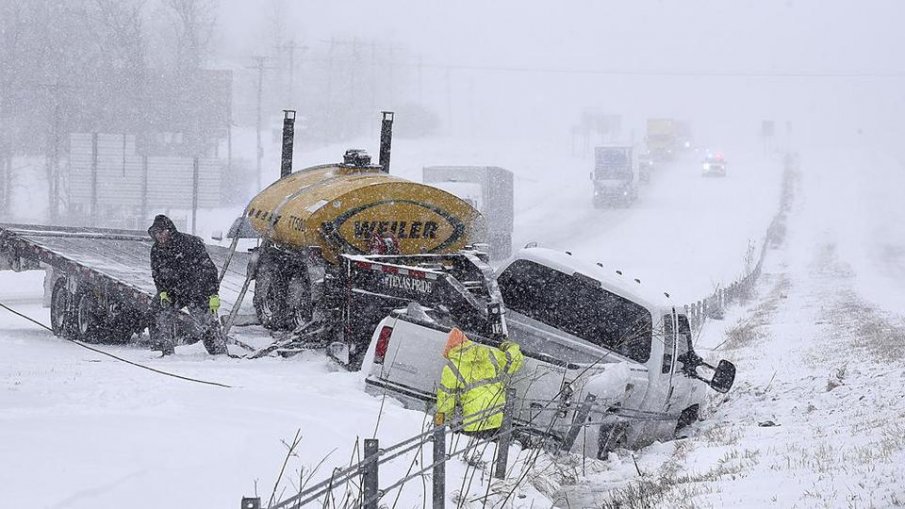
[[439, 493], [581, 417], [369, 474], [251, 502], [502, 447]]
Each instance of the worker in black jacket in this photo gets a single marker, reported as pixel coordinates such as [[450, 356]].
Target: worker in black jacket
[[185, 277]]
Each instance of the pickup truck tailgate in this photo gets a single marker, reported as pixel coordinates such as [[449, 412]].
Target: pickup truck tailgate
[[414, 361]]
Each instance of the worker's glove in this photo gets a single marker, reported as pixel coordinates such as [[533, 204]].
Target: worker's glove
[[214, 303], [165, 299], [505, 345], [439, 419]]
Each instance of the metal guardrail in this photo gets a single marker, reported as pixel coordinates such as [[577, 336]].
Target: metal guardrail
[[367, 470]]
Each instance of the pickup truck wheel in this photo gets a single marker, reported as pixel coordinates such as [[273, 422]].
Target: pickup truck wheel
[[688, 416], [611, 437], [61, 317], [270, 298]]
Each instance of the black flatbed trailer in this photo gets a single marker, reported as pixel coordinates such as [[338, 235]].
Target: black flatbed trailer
[[99, 279]]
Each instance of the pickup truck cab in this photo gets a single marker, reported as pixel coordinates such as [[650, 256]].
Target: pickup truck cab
[[585, 329]]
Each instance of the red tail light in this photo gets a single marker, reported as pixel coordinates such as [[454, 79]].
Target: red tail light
[[383, 343]]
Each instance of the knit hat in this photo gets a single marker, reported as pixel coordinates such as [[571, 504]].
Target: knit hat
[[456, 338], [161, 222]]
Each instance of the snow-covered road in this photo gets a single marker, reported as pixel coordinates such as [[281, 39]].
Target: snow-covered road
[[84, 431]]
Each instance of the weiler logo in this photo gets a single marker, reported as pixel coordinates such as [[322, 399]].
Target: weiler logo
[[401, 229], [419, 227]]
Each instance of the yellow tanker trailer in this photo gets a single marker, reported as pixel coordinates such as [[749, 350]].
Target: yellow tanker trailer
[[311, 217]]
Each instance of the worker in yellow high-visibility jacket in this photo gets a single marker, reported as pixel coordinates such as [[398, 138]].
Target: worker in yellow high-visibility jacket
[[474, 378]]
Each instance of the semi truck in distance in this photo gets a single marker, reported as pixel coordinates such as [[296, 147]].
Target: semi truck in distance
[[662, 138], [615, 176]]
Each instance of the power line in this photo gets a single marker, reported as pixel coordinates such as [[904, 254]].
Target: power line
[[656, 73], [96, 350]]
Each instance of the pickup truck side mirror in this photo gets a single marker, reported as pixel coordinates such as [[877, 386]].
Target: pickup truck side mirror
[[723, 373], [723, 377]]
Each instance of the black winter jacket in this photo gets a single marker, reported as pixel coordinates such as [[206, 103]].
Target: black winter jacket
[[182, 267]]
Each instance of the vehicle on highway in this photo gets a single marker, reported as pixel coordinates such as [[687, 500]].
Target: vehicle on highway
[[714, 165], [615, 177]]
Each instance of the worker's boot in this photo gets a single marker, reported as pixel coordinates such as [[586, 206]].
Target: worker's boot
[[214, 340], [167, 348], [161, 331]]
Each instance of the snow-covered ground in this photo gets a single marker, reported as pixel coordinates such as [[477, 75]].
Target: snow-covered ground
[[815, 418], [819, 353]]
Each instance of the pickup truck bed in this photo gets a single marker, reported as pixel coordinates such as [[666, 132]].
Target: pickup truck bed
[[545, 385]]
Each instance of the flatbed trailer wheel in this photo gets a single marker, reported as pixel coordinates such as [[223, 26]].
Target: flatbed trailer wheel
[[89, 318], [61, 316]]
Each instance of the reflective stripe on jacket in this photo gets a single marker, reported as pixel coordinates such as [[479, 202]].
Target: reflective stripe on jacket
[[475, 377]]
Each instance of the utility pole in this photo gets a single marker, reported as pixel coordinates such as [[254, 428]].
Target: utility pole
[[260, 147], [330, 72], [291, 47], [420, 79]]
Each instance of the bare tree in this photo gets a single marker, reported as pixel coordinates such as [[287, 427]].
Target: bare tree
[[195, 20]]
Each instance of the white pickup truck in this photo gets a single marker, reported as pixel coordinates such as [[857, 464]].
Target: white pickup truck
[[585, 330]]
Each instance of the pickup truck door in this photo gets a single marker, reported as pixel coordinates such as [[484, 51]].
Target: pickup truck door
[[677, 391], [686, 389]]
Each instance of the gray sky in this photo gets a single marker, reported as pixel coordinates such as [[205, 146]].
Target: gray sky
[[514, 63]]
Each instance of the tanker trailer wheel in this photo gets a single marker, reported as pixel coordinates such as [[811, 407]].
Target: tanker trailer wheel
[[270, 298], [61, 316], [298, 293]]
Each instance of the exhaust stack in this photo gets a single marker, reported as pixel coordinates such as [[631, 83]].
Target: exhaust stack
[[288, 136], [386, 139]]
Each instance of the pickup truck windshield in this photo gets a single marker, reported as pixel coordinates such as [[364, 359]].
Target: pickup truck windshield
[[577, 305]]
